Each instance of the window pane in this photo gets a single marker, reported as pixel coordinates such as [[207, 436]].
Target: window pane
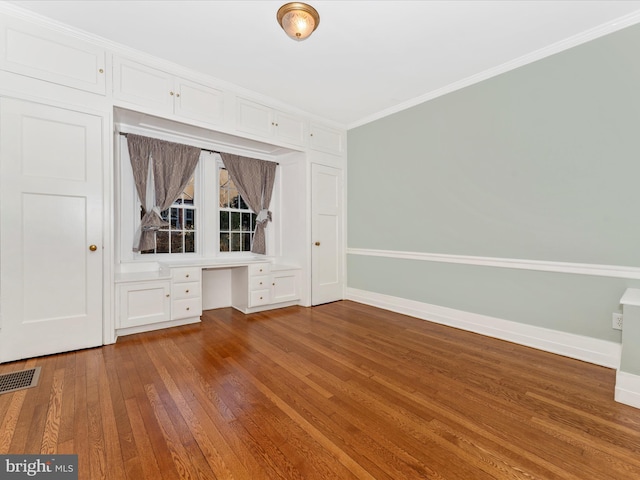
[[253, 221], [246, 222], [246, 242], [234, 244], [176, 242], [224, 242], [224, 221], [224, 198], [176, 219], [187, 193], [224, 177], [165, 214], [189, 219], [189, 242], [234, 199], [243, 205], [162, 242], [235, 221]]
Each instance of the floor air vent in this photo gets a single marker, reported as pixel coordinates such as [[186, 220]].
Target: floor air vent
[[10, 382]]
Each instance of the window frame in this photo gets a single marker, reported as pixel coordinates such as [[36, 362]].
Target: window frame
[[206, 204]]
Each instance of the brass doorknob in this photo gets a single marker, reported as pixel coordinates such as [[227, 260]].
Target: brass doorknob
[[317, 244], [93, 248]]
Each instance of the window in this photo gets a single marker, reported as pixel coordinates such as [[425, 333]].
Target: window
[[237, 222], [179, 236]]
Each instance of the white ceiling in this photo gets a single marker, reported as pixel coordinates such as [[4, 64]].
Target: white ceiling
[[365, 60]]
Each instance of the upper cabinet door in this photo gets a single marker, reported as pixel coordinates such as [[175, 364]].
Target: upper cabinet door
[[327, 139], [289, 128], [45, 54], [268, 123], [199, 102], [252, 117], [142, 85]]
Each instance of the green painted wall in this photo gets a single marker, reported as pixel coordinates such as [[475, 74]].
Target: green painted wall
[[541, 163]]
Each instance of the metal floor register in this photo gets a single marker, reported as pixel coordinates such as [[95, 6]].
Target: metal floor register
[[10, 382]]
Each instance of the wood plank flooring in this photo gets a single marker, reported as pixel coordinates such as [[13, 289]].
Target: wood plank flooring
[[339, 391]]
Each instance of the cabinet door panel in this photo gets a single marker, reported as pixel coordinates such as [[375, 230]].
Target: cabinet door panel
[[199, 102], [254, 118], [285, 286], [143, 304], [326, 139], [142, 85], [290, 129], [41, 53]]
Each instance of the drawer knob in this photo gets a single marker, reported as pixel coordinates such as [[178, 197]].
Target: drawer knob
[[317, 244], [187, 308], [274, 284], [260, 298], [93, 248], [187, 275], [167, 295], [186, 291]]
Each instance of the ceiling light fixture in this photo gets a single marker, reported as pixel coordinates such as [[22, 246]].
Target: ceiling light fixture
[[298, 20]]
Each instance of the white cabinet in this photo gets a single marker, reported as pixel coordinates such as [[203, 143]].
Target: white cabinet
[[144, 86], [327, 139], [143, 303], [39, 52], [186, 292], [262, 286], [257, 119], [284, 285]]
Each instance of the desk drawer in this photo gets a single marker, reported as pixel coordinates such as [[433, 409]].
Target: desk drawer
[[259, 297], [185, 308], [259, 269], [186, 290], [259, 282], [186, 274]]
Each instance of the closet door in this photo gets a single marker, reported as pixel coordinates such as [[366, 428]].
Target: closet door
[[50, 229], [327, 257]]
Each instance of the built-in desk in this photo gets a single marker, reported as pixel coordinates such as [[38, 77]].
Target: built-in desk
[[177, 292]]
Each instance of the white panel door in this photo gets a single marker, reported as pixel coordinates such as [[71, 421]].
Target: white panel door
[[327, 258], [50, 229]]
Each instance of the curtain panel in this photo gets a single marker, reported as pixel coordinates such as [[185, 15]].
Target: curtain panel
[[161, 171], [254, 180]]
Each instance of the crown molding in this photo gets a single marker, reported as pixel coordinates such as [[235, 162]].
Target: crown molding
[[574, 41]]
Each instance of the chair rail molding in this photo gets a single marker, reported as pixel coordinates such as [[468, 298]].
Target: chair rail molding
[[615, 271]]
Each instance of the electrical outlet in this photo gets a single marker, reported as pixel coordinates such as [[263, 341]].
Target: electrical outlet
[[616, 321]]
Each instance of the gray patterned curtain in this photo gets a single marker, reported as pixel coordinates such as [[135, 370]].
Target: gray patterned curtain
[[254, 180], [161, 171]]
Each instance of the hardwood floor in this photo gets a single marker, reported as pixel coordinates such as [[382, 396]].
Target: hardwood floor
[[339, 391]]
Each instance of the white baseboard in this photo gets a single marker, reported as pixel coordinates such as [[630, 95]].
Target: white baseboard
[[628, 389], [599, 352]]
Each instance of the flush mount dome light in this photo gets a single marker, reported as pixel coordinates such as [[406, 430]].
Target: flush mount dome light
[[298, 20]]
